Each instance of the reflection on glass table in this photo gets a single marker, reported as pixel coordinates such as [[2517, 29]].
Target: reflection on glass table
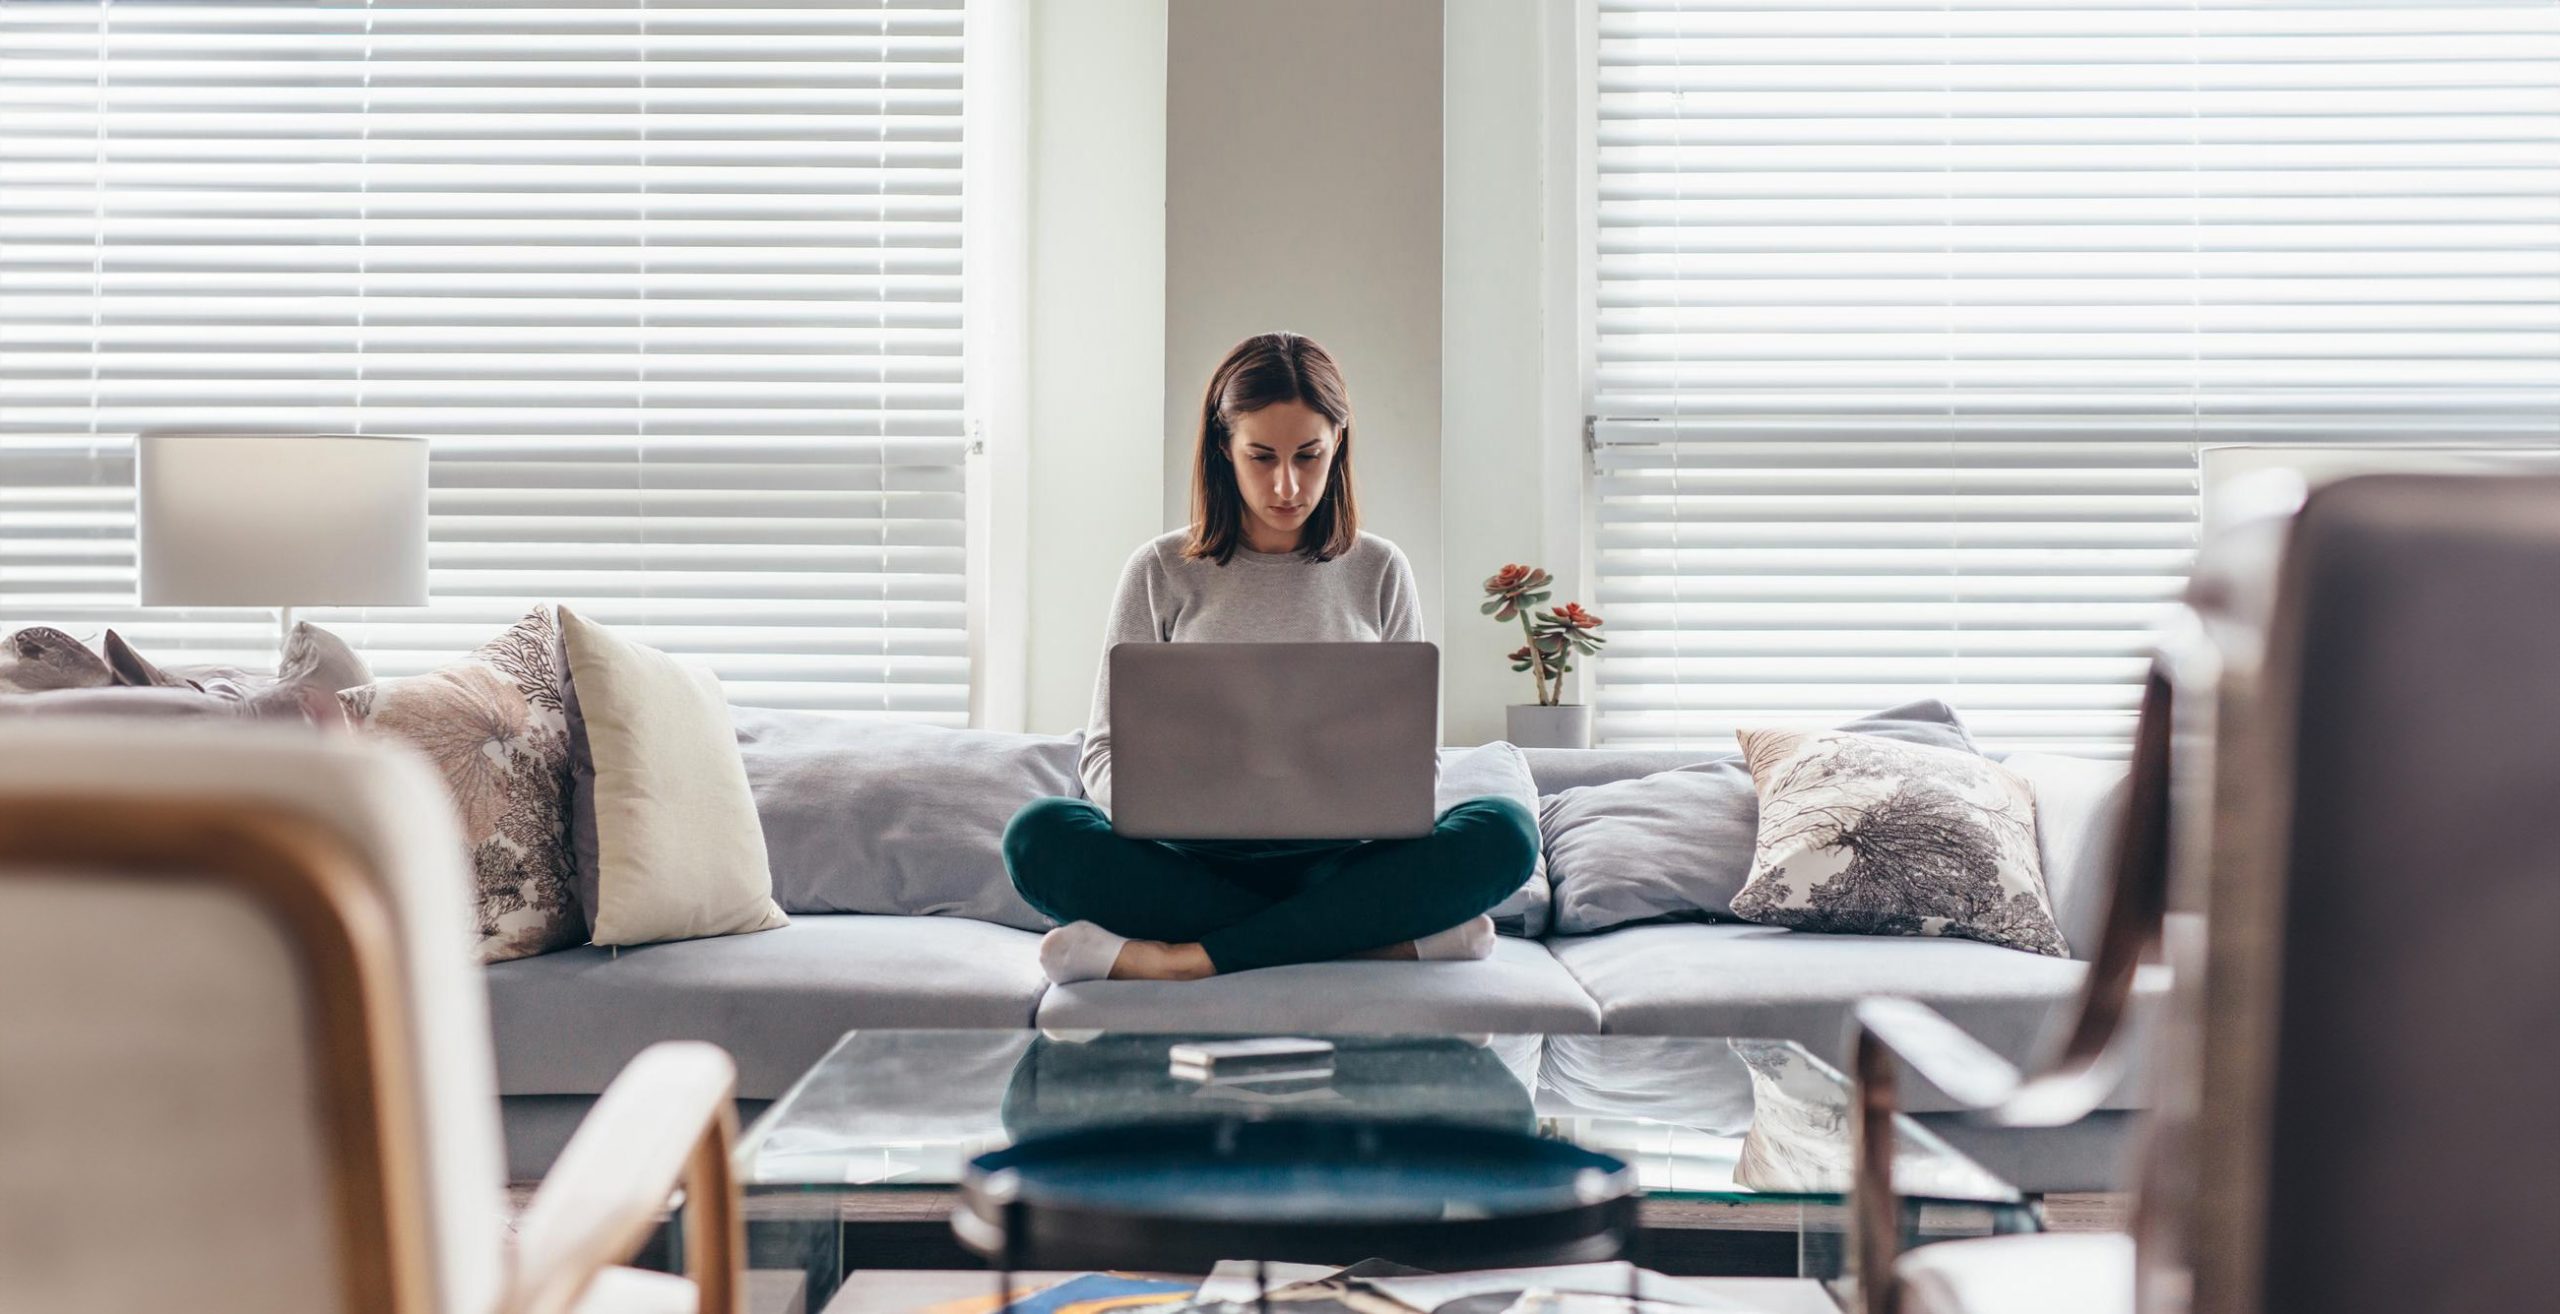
[[1728, 1137]]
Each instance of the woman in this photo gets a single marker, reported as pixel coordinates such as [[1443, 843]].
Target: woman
[[1274, 553]]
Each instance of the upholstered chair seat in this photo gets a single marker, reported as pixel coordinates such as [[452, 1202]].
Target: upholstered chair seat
[[2039, 1273]]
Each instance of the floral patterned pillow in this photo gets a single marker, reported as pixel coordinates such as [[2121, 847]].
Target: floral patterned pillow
[[493, 725], [1799, 1143], [1869, 836]]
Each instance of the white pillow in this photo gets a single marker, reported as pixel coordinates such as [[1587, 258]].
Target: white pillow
[[679, 852], [2079, 808]]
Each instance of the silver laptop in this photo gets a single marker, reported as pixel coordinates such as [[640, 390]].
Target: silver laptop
[[1223, 741]]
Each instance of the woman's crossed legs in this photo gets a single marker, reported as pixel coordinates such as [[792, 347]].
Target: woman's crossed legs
[[1206, 916]]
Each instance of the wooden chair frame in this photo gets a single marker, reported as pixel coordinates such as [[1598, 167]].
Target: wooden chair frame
[[2211, 795], [2083, 1069], [677, 1122]]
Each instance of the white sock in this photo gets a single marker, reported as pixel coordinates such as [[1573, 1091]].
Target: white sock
[[1079, 951], [1464, 942]]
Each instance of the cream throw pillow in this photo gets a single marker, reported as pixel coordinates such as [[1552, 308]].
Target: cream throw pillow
[[1867, 836], [679, 853]]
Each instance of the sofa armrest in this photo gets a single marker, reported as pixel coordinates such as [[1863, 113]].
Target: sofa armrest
[[669, 1117]]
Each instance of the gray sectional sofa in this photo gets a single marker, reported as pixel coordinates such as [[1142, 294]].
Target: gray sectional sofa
[[565, 1022]]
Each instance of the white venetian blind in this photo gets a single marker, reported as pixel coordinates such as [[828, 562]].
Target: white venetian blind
[[1912, 318], [672, 289]]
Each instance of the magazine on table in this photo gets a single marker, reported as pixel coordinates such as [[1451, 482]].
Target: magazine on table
[[1369, 1287]]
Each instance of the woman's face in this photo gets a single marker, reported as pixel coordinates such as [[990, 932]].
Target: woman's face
[[1282, 455]]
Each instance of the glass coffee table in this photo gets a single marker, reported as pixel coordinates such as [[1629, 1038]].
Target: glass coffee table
[[1742, 1146]]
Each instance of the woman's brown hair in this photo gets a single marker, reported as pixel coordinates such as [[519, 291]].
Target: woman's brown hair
[[1265, 370]]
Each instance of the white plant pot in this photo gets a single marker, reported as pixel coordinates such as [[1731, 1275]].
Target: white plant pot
[[1566, 726]]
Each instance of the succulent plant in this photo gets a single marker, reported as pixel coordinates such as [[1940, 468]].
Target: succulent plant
[[1555, 637]]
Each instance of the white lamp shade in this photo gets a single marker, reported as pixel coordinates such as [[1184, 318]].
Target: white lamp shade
[[282, 520]]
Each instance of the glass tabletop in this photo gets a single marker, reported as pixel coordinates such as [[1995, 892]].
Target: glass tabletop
[[1731, 1120]]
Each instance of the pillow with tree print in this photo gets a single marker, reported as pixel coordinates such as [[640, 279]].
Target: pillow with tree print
[[494, 726], [1868, 836]]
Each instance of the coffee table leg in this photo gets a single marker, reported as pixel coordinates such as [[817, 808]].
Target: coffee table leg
[[806, 1241], [823, 1261]]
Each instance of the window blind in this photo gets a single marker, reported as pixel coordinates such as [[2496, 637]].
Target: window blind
[[1912, 318], [673, 291]]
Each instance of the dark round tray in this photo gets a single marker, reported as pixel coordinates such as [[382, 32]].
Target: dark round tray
[[1181, 1196]]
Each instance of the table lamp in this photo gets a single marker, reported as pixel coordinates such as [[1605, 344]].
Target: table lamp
[[282, 521]]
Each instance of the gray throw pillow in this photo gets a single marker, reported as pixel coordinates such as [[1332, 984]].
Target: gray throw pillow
[[42, 659], [883, 817], [313, 669], [1497, 770], [1678, 843], [118, 701]]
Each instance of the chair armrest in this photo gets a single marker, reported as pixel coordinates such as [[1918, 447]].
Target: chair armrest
[[668, 1117], [1888, 1033], [2071, 1083], [1944, 1054]]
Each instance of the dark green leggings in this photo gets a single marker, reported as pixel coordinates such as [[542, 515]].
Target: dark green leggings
[[1262, 910]]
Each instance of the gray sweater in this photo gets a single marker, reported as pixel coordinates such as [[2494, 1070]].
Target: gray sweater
[[1366, 594]]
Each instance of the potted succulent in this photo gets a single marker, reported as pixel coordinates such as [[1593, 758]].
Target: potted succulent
[[1555, 638]]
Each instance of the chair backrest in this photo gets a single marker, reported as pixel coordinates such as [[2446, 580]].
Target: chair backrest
[[2367, 1121], [244, 1057]]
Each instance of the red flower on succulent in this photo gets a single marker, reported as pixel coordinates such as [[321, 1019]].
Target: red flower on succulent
[[1513, 594], [1572, 614]]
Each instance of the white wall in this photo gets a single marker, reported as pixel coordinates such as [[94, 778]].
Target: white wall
[[1369, 172], [1492, 338], [1302, 192], [1097, 314]]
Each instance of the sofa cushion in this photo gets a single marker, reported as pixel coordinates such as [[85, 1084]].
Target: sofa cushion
[[1521, 988], [1736, 979], [565, 1023]]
